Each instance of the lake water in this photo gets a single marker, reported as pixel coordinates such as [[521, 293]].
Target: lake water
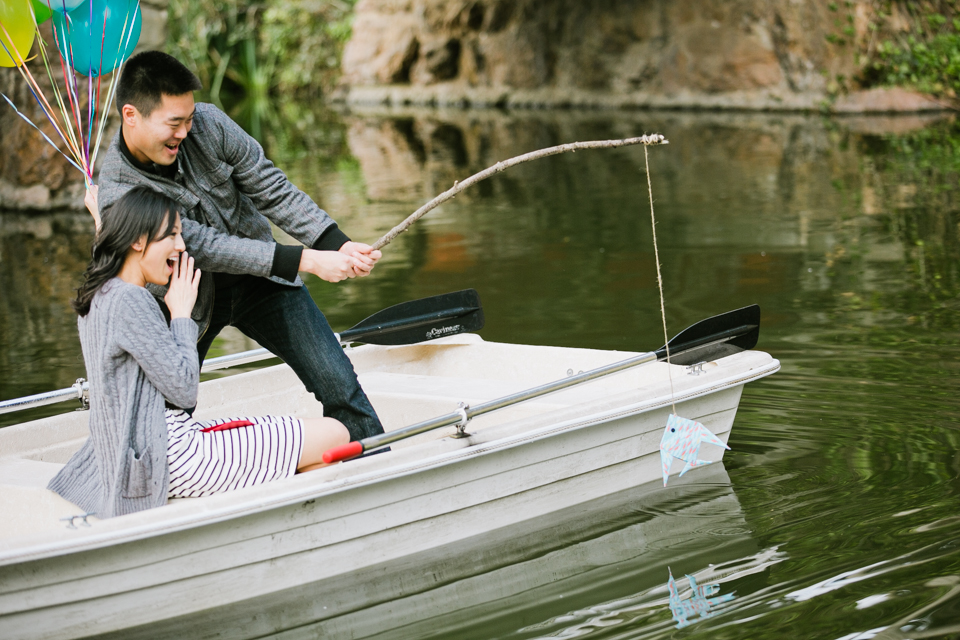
[[837, 511]]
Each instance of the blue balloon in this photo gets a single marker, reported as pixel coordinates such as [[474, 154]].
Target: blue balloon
[[63, 6], [97, 36]]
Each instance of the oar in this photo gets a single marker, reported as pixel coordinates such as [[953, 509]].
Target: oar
[[419, 320], [714, 337]]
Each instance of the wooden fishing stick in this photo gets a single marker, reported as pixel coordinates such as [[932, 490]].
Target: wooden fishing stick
[[457, 187]]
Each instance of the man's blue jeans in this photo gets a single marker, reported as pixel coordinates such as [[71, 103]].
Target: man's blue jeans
[[286, 321]]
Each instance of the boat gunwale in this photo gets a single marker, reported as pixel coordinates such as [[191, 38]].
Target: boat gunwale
[[232, 511]]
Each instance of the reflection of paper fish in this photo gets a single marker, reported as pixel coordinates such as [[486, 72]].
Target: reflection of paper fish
[[699, 603], [681, 439]]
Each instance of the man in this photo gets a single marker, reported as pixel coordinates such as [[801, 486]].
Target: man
[[227, 190]]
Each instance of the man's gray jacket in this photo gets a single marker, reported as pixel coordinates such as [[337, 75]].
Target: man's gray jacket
[[227, 191]]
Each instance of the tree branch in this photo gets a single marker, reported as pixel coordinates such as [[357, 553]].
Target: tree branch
[[506, 164]]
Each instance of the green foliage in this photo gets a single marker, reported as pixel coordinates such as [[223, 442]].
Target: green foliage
[[250, 54], [923, 54], [206, 34], [931, 66], [309, 42]]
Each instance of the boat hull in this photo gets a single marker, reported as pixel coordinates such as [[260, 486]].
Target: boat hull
[[323, 545]]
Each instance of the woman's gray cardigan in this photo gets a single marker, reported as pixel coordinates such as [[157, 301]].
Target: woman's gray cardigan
[[134, 362]]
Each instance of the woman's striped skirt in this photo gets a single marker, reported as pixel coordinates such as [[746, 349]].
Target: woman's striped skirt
[[204, 459]]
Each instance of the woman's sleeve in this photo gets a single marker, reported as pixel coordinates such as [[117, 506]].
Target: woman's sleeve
[[167, 355]]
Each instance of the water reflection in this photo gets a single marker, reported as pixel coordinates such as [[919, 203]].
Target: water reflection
[[588, 567], [844, 231], [41, 257], [702, 602]]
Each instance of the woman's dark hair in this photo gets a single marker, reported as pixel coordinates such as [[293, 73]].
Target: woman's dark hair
[[139, 212]]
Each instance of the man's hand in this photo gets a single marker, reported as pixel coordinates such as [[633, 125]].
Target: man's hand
[[90, 199], [331, 266], [364, 255]]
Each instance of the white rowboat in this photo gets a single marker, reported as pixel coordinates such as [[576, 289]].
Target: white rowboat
[[345, 538]]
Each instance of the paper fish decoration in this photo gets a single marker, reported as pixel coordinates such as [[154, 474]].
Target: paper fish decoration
[[698, 604], [681, 439]]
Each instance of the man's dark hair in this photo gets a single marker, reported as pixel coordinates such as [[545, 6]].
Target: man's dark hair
[[149, 75]]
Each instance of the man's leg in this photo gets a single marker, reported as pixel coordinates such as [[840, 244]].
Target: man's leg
[[222, 312], [286, 321]]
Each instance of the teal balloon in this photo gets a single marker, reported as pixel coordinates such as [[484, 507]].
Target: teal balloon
[[97, 36], [63, 6]]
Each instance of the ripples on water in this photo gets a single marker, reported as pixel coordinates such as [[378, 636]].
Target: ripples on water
[[836, 515]]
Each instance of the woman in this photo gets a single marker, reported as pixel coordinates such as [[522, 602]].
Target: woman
[[143, 446]]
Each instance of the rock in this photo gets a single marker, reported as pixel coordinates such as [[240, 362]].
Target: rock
[[773, 54], [399, 59], [616, 49], [438, 60], [36, 197], [153, 32], [386, 47], [887, 100]]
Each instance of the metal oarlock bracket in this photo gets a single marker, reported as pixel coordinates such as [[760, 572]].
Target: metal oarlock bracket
[[464, 419], [83, 395], [71, 520], [695, 369]]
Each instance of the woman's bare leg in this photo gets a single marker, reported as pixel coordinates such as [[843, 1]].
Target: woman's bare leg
[[320, 434]]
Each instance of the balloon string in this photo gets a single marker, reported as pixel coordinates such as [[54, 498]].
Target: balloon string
[[41, 132], [36, 92], [71, 94], [22, 67], [72, 87], [53, 83], [76, 83], [656, 257], [125, 36]]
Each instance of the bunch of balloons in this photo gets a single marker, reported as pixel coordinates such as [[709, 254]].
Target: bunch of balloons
[[93, 36]]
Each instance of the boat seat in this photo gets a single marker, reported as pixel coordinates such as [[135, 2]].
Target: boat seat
[[26, 504], [20, 472]]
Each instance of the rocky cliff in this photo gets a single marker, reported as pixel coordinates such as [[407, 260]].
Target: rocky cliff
[[741, 54]]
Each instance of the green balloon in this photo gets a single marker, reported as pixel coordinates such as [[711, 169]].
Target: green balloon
[[41, 11]]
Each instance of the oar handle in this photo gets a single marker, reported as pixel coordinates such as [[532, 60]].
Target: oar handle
[[343, 452]]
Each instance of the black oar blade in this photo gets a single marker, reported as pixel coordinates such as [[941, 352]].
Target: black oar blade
[[715, 337], [420, 320]]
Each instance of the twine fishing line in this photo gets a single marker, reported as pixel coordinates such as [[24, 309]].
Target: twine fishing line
[[682, 437], [656, 257]]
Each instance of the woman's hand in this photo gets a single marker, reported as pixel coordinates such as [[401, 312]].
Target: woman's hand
[[184, 284], [331, 266]]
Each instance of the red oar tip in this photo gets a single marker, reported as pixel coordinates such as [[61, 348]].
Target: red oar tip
[[343, 452]]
